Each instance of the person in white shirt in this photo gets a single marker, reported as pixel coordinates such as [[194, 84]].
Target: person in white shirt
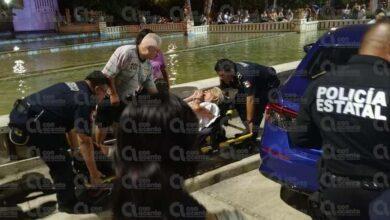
[[246, 17], [362, 13], [226, 18], [205, 105], [289, 15], [129, 72]]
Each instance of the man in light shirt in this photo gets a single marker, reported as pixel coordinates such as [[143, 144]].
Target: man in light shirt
[[129, 72]]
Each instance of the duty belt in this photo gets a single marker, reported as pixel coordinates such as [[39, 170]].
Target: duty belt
[[22, 106]]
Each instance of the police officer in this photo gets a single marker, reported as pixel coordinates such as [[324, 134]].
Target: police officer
[[43, 120], [347, 113], [254, 83]]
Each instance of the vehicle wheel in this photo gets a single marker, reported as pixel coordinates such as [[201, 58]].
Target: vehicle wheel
[[298, 201]]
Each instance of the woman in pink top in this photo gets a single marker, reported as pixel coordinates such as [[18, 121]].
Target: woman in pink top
[[160, 76]]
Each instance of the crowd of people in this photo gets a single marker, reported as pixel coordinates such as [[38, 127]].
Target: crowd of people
[[355, 12], [271, 14], [310, 13], [231, 18], [277, 15], [243, 16], [157, 19], [360, 11]]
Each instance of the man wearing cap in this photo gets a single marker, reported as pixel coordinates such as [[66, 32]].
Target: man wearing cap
[[129, 72], [43, 120]]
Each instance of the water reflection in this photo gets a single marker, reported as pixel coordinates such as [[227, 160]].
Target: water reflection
[[171, 47], [20, 70], [173, 65], [172, 62], [187, 59]]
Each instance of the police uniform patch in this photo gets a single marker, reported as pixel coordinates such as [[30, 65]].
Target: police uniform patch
[[239, 76], [243, 64], [72, 86], [247, 84]]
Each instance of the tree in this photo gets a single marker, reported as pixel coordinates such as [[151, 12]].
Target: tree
[[373, 5], [207, 7], [188, 11]]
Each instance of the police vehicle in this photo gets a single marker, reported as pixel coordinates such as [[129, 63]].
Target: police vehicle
[[292, 166]]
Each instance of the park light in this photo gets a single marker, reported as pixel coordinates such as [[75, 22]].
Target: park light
[[7, 1]]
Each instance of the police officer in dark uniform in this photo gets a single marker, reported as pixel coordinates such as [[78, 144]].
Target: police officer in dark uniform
[[347, 113], [254, 83], [43, 120]]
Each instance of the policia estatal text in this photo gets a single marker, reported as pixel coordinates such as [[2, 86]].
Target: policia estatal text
[[347, 113]]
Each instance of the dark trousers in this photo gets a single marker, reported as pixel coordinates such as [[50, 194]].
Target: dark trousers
[[345, 200], [52, 148], [260, 104]]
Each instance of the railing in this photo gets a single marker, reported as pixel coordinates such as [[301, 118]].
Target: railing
[[295, 25], [203, 29], [255, 27], [122, 29], [168, 27], [309, 26], [327, 24]]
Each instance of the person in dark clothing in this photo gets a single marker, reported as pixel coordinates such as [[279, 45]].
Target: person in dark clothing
[[43, 120], [255, 84], [166, 128], [156, 151], [347, 113]]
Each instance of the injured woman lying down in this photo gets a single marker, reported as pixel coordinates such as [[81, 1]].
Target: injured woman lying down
[[205, 105]]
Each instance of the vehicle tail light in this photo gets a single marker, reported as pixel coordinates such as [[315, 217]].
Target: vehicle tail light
[[280, 116], [275, 153]]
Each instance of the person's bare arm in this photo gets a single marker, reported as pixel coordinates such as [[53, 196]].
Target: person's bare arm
[[250, 108], [152, 90], [189, 98], [165, 75], [198, 94], [72, 139], [149, 84], [114, 97], [87, 151]]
